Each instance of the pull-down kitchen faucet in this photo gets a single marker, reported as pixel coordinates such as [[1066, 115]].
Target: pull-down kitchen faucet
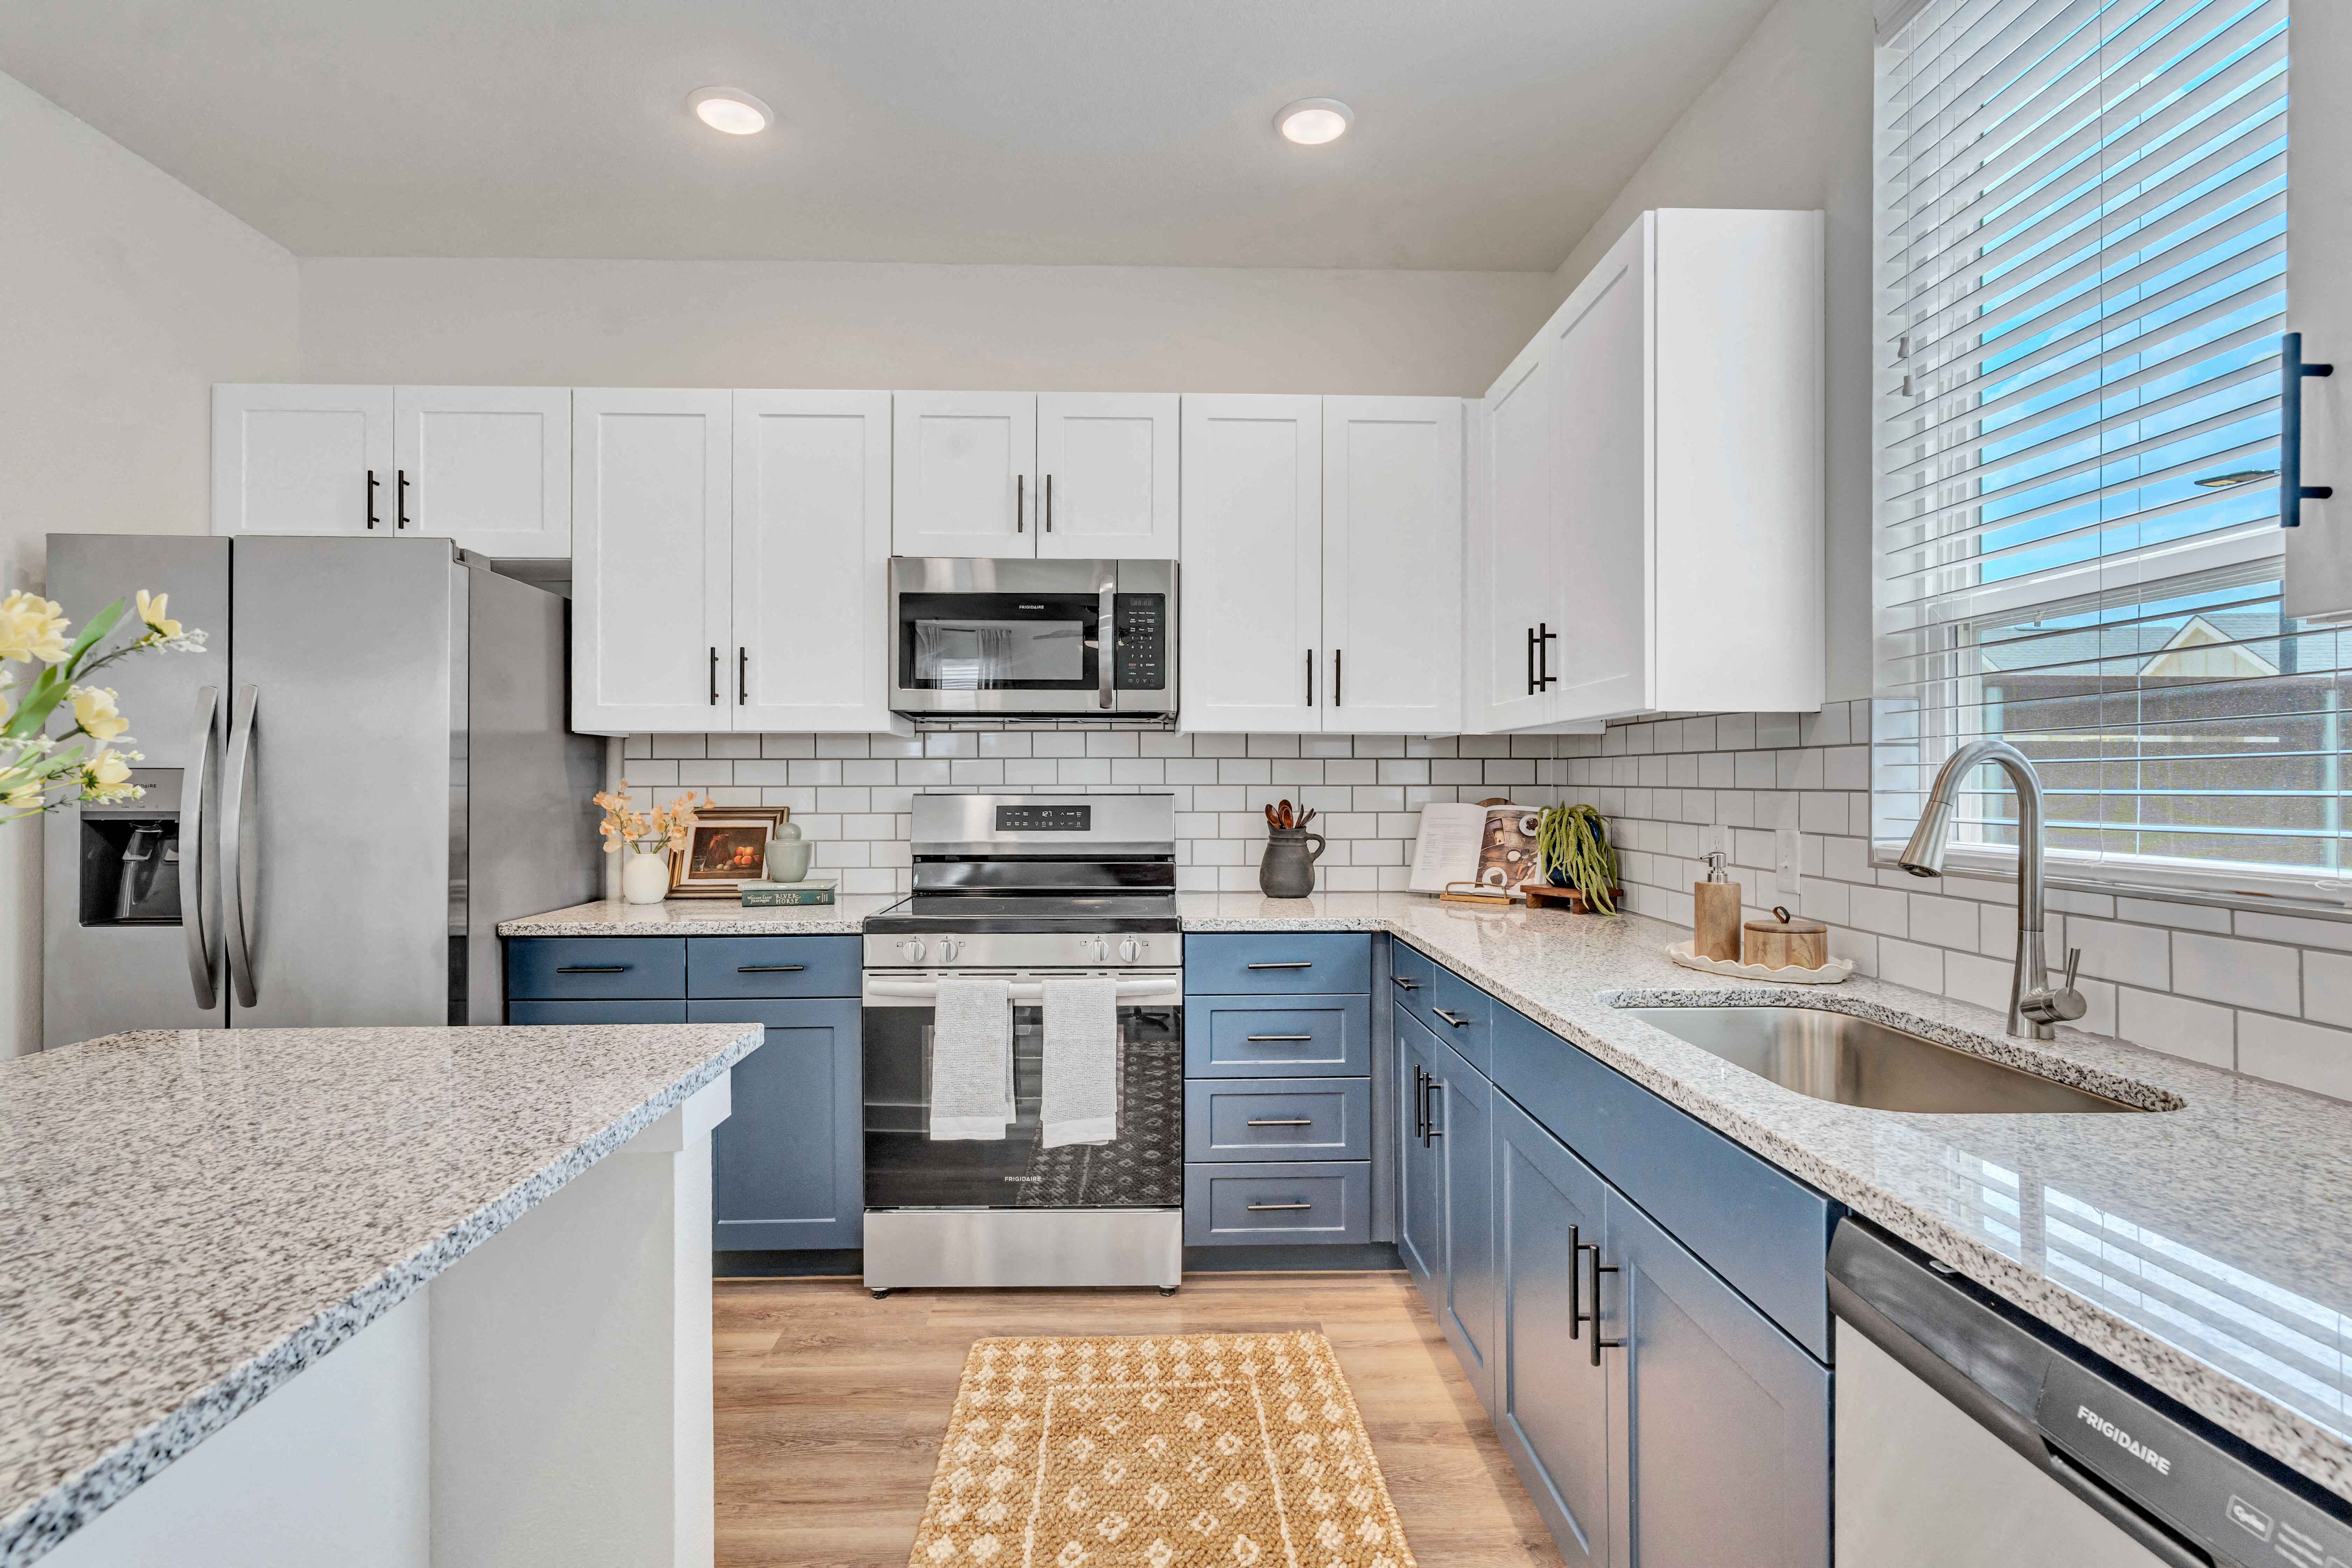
[[2030, 997]]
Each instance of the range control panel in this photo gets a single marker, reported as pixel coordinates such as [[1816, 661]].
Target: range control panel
[[1139, 627]]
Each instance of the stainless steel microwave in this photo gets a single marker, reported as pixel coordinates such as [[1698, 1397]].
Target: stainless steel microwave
[[1062, 639]]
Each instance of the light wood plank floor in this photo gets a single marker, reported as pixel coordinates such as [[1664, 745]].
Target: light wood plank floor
[[832, 1405]]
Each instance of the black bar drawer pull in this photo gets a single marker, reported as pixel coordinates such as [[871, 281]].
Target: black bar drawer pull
[[1262, 1209], [591, 968], [770, 968], [1457, 1022], [1257, 1038], [1292, 963], [1404, 985], [1281, 1122]]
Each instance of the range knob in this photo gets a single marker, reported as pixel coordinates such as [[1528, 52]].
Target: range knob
[[948, 947], [914, 949], [1095, 946], [1130, 951]]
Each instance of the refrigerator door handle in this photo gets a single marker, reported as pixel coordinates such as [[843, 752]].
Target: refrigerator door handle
[[203, 941], [240, 889]]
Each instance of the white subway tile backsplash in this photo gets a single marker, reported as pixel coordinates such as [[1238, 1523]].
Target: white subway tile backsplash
[[2301, 1054], [2247, 973], [2194, 1029]]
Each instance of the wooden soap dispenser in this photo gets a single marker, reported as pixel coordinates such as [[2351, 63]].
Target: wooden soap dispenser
[[1715, 913]]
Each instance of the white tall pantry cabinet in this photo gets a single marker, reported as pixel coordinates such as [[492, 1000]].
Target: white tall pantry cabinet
[[728, 562], [1646, 527], [1321, 555]]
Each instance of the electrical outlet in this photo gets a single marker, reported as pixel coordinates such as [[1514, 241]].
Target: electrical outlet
[[1786, 852]]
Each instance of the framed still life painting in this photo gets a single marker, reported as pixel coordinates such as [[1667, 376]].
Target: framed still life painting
[[726, 847]]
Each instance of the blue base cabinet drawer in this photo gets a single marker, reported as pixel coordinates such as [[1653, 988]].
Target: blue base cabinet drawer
[[773, 966], [1278, 963], [1764, 1231], [1277, 1119], [597, 1012], [1302, 1036], [1463, 1017], [591, 968], [1413, 976], [1284, 1204]]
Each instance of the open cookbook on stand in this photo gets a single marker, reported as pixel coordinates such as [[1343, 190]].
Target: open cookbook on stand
[[1490, 848]]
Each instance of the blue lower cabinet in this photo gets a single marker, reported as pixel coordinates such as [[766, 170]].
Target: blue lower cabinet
[[1262, 1037], [1726, 1425], [1551, 1393], [594, 968], [1420, 1222], [1462, 1123], [1259, 1119], [1261, 963], [1277, 1205], [788, 1163], [776, 966], [597, 1012]]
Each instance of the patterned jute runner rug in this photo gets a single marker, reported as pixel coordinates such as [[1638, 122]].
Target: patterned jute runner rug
[[1168, 1451]]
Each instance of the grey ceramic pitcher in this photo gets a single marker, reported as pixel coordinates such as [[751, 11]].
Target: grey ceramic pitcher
[[1288, 869]]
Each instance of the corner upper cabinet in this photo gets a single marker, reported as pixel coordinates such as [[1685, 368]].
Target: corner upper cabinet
[[811, 562], [1648, 534], [1253, 584], [1106, 476], [302, 459], [965, 473], [651, 561], [487, 467]]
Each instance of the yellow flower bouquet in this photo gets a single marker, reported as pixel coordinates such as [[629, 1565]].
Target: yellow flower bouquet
[[40, 771]]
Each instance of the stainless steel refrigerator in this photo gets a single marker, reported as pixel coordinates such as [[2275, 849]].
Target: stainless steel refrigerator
[[365, 772]]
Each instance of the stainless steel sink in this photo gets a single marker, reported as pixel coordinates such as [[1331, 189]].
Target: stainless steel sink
[[1853, 1061]]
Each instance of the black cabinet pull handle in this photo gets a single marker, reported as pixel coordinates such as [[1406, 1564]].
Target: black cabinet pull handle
[[742, 675], [591, 968], [1281, 1122], [1404, 983], [400, 498], [770, 968], [1310, 678], [1049, 503], [1545, 637], [1420, 1123], [2292, 491], [1261, 1208], [1291, 963], [1258, 1038], [1429, 1127], [1575, 1276], [1599, 1268], [1457, 1022], [1020, 502], [714, 678], [1532, 661], [1335, 677], [373, 482]]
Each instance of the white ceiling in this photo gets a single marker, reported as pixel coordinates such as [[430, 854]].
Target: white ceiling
[[1489, 133]]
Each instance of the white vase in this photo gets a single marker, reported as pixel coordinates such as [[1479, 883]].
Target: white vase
[[645, 878]]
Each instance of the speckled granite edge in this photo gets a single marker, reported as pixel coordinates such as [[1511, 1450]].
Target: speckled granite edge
[[38, 1528], [828, 923]]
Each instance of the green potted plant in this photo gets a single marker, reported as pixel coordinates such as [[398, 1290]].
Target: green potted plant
[[1574, 843]]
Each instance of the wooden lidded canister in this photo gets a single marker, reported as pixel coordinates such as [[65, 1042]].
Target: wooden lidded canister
[[1785, 942]]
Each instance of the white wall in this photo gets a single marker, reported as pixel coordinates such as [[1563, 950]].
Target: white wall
[[1787, 124], [856, 324], [127, 295]]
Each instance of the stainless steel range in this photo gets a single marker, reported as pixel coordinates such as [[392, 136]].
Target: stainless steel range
[[1028, 888]]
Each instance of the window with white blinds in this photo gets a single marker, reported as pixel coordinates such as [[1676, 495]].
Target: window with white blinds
[[2081, 254]]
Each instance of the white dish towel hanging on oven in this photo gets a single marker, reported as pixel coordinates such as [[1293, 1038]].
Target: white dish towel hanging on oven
[[971, 1060], [1081, 1094]]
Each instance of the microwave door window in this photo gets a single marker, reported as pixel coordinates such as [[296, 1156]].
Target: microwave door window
[[974, 655]]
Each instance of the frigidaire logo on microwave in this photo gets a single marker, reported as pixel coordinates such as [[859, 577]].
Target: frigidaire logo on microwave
[[2123, 1441]]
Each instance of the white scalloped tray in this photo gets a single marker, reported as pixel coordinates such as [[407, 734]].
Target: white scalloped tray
[[1830, 973]]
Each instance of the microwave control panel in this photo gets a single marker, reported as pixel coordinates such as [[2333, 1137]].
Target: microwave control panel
[[1139, 662]]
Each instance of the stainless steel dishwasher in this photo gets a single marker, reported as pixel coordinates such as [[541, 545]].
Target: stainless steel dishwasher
[[1970, 1436]]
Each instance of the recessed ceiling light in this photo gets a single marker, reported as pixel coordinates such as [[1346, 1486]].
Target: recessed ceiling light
[[1311, 122], [731, 110]]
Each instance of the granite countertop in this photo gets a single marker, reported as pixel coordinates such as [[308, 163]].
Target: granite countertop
[[703, 917], [2206, 1249], [192, 1217]]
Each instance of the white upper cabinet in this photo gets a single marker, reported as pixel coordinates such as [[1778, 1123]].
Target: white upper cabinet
[[302, 459], [965, 469], [651, 564], [1106, 476], [489, 466], [811, 551], [1253, 563], [1646, 529], [1393, 565]]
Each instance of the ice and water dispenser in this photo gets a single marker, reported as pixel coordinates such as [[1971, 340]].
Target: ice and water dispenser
[[130, 854]]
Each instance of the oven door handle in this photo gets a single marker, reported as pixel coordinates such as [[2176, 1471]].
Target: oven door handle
[[1023, 994]]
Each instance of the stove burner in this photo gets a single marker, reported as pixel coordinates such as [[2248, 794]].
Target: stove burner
[[1051, 912]]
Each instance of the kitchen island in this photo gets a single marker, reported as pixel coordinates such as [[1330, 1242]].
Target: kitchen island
[[2205, 1246], [390, 1295]]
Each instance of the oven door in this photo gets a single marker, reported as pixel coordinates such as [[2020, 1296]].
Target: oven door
[[1142, 1167], [1031, 637]]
